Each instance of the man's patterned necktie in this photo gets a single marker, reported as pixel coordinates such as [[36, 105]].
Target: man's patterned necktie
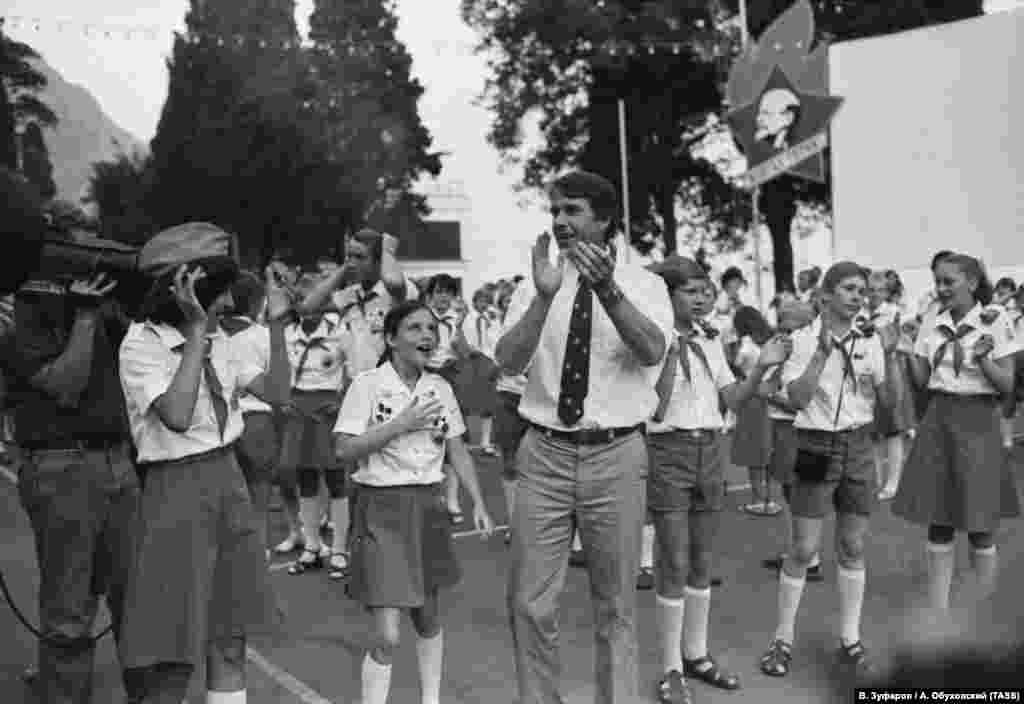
[[952, 338], [576, 366]]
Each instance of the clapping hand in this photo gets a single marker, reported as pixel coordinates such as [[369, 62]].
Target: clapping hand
[[596, 265], [547, 277], [983, 346], [279, 298], [775, 351], [889, 335]]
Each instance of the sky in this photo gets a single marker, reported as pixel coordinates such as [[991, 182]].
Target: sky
[[128, 77]]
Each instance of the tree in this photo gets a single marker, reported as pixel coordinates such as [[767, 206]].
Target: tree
[[571, 62], [119, 189], [366, 106], [36, 164], [231, 146], [835, 20], [19, 103]]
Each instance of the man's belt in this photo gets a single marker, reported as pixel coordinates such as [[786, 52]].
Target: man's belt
[[596, 436]]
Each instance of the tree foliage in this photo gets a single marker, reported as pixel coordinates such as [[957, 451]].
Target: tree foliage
[[20, 83], [119, 190], [555, 59], [35, 161]]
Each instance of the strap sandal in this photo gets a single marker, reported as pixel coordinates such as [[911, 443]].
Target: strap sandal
[[854, 656], [707, 670], [776, 661], [338, 566], [456, 517], [308, 560], [672, 689], [289, 544]]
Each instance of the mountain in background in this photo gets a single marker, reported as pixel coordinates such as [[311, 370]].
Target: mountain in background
[[84, 134]]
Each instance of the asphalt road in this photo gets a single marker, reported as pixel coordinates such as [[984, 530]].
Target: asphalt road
[[316, 660]]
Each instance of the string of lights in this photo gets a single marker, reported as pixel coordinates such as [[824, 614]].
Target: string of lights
[[611, 47]]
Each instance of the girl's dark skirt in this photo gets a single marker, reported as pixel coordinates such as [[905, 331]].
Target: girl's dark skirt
[[752, 436], [201, 573], [401, 546], [307, 436], [958, 473]]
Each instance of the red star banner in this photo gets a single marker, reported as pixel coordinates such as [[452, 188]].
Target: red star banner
[[782, 106]]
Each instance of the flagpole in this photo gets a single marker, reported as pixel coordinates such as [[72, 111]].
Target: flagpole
[[756, 204], [624, 163]]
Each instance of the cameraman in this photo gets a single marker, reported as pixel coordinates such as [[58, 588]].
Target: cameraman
[[76, 481]]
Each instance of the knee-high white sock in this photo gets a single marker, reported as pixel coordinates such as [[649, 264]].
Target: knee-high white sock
[[486, 425], [339, 515], [430, 656], [670, 614], [376, 681], [452, 489], [880, 462], [790, 591], [895, 451], [986, 565], [226, 697], [850, 584], [647, 548], [577, 544], [939, 559], [695, 626], [309, 516], [1006, 426]]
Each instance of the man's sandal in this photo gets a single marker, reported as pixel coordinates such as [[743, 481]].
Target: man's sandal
[[776, 661], [308, 560], [708, 671], [338, 566]]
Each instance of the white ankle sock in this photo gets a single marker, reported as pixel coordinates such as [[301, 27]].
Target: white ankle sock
[[430, 656], [576, 543], [376, 681], [939, 559], [339, 516], [850, 584], [647, 548], [226, 697], [309, 516], [790, 591], [670, 613], [986, 566], [695, 625]]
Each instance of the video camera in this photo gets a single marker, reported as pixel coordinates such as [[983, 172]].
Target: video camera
[[41, 257]]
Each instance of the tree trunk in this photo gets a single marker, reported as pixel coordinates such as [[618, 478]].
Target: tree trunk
[[670, 226], [8, 145], [778, 207]]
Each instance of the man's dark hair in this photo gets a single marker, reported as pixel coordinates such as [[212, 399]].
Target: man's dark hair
[[596, 190], [941, 256], [248, 292], [1006, 282], [732, 274]]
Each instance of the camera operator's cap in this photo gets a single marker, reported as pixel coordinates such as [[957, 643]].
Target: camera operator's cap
[[190, 242], [677, 270]]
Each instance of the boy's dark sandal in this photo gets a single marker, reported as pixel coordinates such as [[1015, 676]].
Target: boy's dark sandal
[[776, 661], [672, 689], [307, 561], [708, 671]]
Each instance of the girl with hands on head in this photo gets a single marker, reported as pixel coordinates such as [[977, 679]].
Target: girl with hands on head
[[401, 423]]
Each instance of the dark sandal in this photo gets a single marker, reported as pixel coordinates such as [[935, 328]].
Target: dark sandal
[[776, 662], [301, 566], [708, 671], [456, 517], [336, 571], [854, 656]]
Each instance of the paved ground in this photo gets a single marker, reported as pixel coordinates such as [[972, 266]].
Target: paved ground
[[316, 660]]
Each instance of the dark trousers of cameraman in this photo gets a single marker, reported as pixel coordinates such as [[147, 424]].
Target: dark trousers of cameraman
[[83, 505]]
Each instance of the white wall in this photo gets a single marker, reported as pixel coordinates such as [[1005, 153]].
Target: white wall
[[927, 148]]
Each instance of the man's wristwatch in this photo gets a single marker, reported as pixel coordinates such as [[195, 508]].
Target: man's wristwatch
[[609, 294]]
